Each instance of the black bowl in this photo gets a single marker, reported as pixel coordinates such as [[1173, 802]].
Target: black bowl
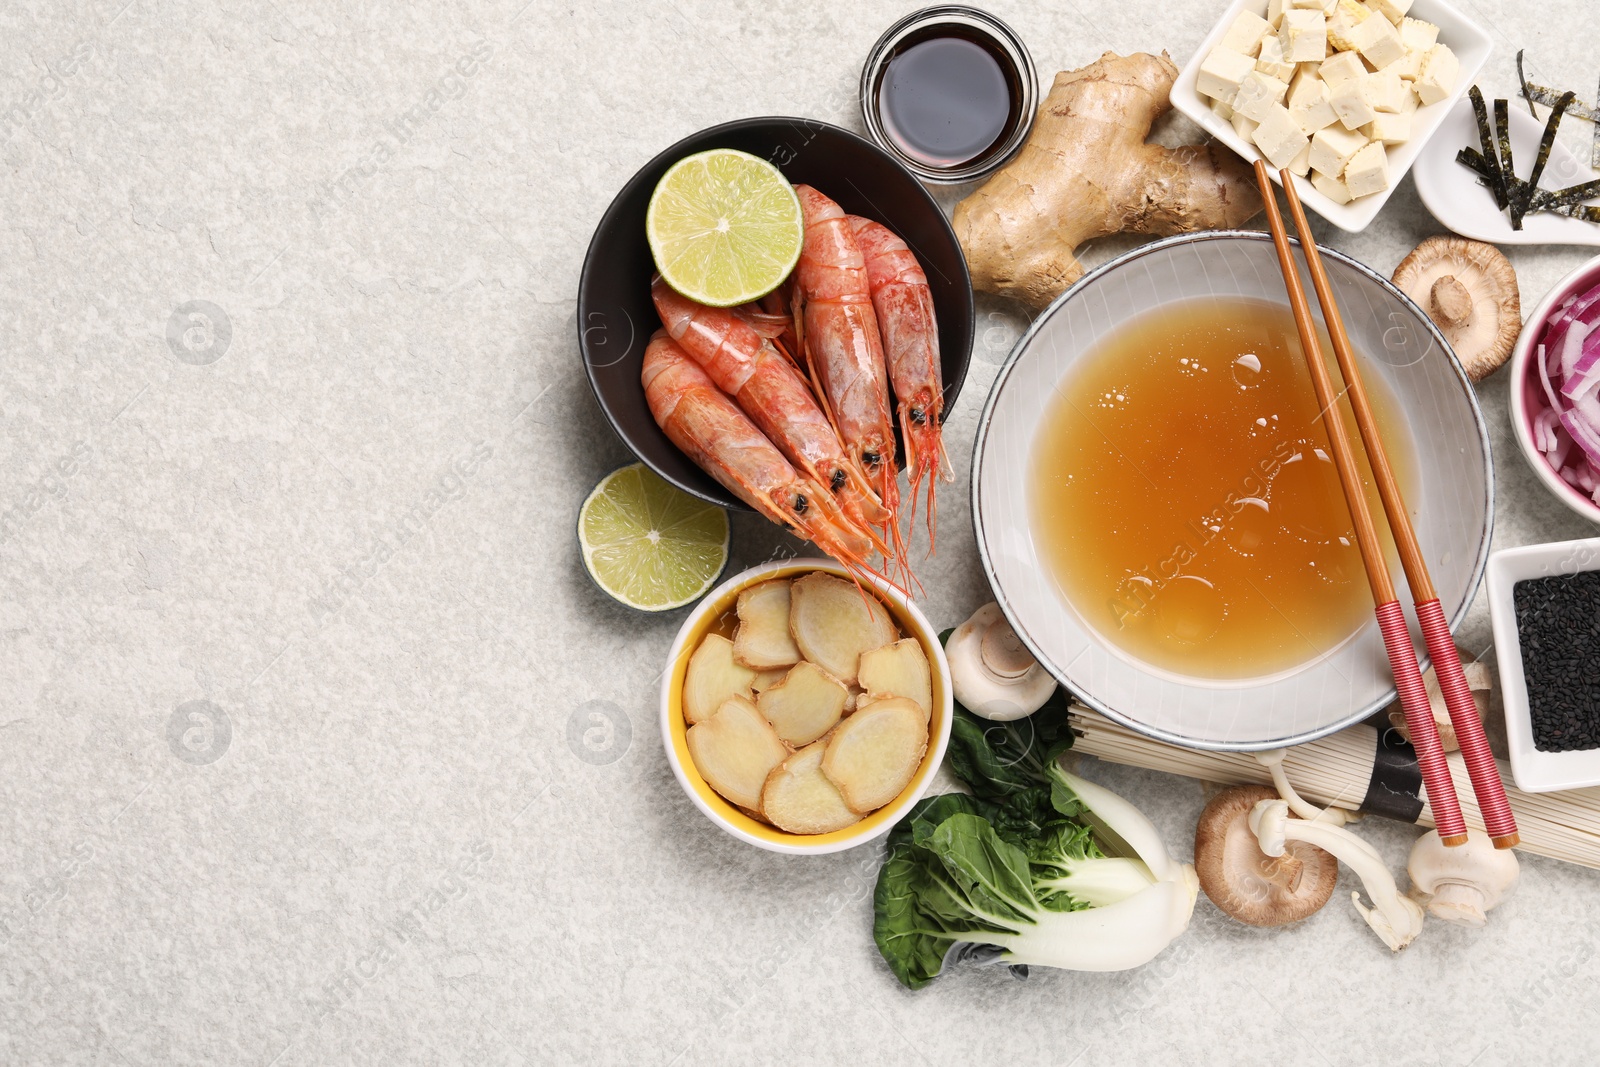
[[616, 316]]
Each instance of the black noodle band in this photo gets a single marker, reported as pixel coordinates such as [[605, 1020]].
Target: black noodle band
[[1395, 788]]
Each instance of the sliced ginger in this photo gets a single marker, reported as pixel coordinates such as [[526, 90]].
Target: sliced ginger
[[734, 750], [762, 640], [805, 705], [765, 680], [873, 754], [816, 712], [898, 670], [712, 677], [834, 621], [799, 798]]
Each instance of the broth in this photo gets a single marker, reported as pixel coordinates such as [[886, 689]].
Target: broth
[[1185, 501]]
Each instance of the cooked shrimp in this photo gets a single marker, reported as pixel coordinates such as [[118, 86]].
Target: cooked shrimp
[[770, 390], [904, 306], [839, 335], [710, 429]]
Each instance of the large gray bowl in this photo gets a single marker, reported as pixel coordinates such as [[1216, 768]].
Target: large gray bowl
[[1451, 500]]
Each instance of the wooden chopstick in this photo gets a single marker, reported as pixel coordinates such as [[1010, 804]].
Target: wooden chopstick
[[1475, 753], [1442, 799]]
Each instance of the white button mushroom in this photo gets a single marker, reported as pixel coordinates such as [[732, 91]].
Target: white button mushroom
[[993, 674], [1461, 884]]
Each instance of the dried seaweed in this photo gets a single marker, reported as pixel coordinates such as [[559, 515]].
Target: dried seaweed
[[1496, 166], [1520, 202], [1543, 94], [1573, 194], [1490, 158]]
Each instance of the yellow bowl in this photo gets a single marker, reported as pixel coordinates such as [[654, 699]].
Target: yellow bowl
[[673, 729]]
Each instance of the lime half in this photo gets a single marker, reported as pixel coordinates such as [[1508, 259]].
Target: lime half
[[724, 226], [649, 545]]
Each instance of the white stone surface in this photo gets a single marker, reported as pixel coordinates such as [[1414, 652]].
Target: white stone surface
[[405, 850]]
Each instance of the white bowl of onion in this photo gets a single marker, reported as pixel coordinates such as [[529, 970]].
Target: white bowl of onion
[[802, 714], [1544, 440]]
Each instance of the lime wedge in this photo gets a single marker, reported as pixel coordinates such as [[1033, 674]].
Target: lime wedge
[[724, 226], [649, 545]]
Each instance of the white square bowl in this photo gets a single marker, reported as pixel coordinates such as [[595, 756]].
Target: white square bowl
[[1534, 770], [1465, 38]]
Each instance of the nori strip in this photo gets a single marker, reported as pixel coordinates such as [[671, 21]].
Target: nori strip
[[1527, 90], [1520, 205], [1543, 94], [1572, 194], [1497, 182], [1586, 212], [1525, 197], [1508, 168]]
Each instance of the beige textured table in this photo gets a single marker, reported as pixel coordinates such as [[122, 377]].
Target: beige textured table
[[299, 672]]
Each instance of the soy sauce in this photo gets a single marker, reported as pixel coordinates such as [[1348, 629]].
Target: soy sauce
[[948, 97]]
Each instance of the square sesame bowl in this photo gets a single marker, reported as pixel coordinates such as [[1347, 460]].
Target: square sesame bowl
[[1470, 43], [1537, 770]]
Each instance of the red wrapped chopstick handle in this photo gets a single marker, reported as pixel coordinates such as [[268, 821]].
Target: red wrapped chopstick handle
[[1441, 790], [1491, 792]]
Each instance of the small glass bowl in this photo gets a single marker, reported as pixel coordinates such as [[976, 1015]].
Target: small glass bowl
[[972, 22]]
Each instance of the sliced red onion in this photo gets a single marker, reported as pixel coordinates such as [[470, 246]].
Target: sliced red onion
[[1582, 312], [1546, 369], [1586, 370], [1572, 348], [1544, 431], [1586, 438], [1558, 458], [1565, 426]]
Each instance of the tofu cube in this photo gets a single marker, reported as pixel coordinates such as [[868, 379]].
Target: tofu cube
[[1245, 32], [1389, 129], [1220, 74], [1341, 68], [1393, 10], [1332, 148], [1223, 109], [1367, 171], [1274, 13], [1378, 42], [1332, 188], [1269, 60], [1384, 91], [1342, 23], [1308, 103], [1411, 102], [1245, 127], [1440, 68], [1350, 104], [1414, 33], [1279, 137], [1258, 94], [1306, 5], [1409, 66], [1301, 163], [1303, 35]]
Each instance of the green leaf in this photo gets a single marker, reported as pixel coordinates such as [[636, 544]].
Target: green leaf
[[993, 874], [912, 951]]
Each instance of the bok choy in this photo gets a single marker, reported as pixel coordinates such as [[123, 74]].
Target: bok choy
[[1036, 866]]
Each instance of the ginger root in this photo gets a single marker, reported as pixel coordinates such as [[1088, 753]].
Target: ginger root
[[1086, 172]]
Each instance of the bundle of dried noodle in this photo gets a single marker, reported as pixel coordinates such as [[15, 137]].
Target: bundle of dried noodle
[[1337, 771]]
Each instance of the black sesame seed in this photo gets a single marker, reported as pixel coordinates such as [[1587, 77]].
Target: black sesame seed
[[1558, 626]]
